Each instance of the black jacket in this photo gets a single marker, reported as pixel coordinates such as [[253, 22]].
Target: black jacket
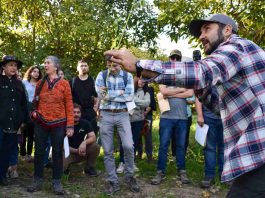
[[13, 103]]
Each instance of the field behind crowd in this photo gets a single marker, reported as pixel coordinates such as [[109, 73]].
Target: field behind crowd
[[76, 184]]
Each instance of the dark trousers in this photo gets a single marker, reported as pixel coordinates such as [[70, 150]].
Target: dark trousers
[[57, 137], [28, 138], [188, 133], [148, 140], [249, 185], [8, 144], [91, 116]]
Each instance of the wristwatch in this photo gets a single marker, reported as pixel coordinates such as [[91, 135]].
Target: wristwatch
[[139, 69]]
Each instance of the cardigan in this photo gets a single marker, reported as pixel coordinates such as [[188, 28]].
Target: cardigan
[[55, 106]]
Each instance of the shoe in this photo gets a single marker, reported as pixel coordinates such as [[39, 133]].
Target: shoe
[[92, 172], [57, 187], [207, 182], [29, 158], [12, 172], [120, 168], [3, 182], [24, 158], [131, 181], [183, 177], [113, 188], [160, 176], [49, 165], [135, 168], [8, 172], [36, 185], [66, 172]]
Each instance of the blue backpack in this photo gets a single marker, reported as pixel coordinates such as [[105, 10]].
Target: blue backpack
[[125, 76]]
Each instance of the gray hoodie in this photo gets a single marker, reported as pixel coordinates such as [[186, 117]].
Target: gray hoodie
[[142, 101]]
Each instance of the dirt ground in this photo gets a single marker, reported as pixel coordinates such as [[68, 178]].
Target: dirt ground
[[78, 185]]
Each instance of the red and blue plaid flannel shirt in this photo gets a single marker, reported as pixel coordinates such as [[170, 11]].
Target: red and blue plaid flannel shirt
[[237, 69]]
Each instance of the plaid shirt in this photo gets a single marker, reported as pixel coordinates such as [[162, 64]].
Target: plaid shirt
[[117, 94], [237, 69]]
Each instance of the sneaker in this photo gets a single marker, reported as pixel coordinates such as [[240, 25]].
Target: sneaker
[[29, 158], [57, 187], [160, 176], [135, 168], [36, 185], [120, 168], [24, 158], [92, 172], [3, 182], [113, 188], [131, 181], [207, 182], [183, 177], [13, 174]]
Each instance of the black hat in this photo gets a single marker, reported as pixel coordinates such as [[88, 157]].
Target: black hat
[[9, 58], [195, 25], [196, 54]]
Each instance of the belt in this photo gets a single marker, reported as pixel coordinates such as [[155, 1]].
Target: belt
[[115, 110]]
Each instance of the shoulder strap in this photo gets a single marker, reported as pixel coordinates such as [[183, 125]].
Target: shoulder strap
[[73, 82], [104, 74], [125, 77], [37, 93]]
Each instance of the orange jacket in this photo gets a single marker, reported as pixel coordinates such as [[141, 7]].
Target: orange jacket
[[55, 105]]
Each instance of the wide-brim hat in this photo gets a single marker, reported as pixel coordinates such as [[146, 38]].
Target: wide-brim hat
[[9, 58], [195, 25]]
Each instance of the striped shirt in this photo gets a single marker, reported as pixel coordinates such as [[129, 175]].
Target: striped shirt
[[237, 69], [116, 95]]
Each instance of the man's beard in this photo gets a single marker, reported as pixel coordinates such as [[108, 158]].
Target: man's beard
[[213, 46]]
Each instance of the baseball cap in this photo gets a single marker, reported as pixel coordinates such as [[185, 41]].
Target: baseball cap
[[175, 52], [195, 25]]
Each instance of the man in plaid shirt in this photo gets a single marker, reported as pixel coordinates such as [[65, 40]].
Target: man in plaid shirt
[[236, 66]]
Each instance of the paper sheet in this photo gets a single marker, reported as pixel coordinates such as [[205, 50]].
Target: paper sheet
[[163, 103], [66, 147], [130, 106], [201, 134]]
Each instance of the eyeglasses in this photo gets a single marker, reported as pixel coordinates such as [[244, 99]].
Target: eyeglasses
[[175, 57]]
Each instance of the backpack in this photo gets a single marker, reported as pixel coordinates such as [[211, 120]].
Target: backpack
[[125, 77]]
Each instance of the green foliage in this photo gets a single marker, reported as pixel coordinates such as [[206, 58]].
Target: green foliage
[[175, 15], [73, 29]]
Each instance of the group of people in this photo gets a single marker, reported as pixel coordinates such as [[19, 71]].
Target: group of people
[[228, 87]]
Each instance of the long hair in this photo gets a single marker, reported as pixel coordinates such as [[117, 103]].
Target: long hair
[[27, 75], [145, 87]]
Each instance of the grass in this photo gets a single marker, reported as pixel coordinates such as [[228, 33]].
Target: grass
[[79, 185]]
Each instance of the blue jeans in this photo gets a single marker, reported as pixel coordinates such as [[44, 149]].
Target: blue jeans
[[41, 137], [136, 130], [8, 145], [166, 129], [214, 141], [13, 157]]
